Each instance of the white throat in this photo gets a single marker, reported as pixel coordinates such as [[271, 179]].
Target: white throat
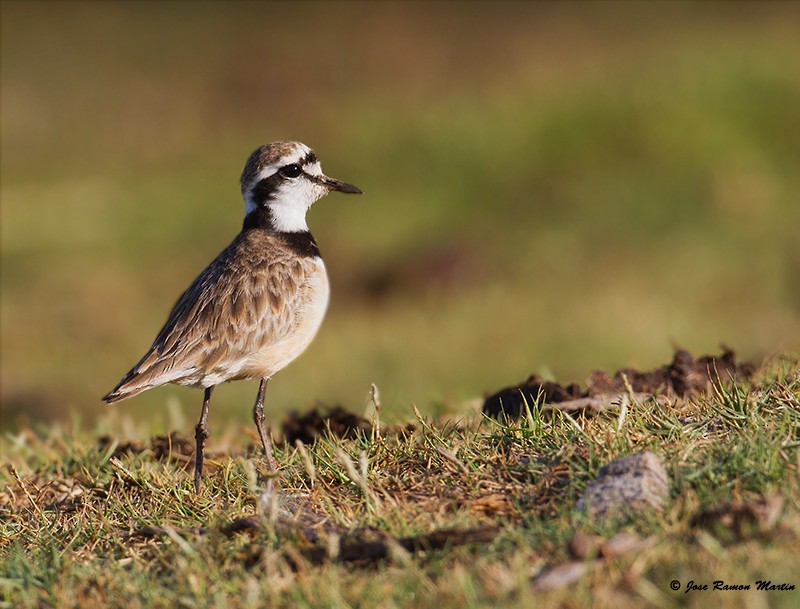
[[289, 204], [288, 216]]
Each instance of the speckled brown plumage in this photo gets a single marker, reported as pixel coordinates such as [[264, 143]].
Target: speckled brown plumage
[[253, 297]]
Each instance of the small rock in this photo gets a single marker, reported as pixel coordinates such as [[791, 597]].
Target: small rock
[[623, 543], [583, 546], [561, 576], [628, 486]]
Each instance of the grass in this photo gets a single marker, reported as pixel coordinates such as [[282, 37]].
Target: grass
[[70, 502]]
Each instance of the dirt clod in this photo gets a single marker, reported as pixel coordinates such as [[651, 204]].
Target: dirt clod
[[683, 376], [737, 520], [171, 446], [313, 424], [104, 444], [582, 546]]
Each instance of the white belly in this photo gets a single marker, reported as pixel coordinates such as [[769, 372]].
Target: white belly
[[308, 319]]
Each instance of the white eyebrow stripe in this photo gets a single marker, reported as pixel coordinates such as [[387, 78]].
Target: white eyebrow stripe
[[314, 168], [299, 158], [269, 170]]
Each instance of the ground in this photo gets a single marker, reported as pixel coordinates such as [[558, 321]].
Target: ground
[[470, 511]]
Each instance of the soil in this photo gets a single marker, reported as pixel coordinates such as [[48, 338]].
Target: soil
[[313, 424], [683, 376]]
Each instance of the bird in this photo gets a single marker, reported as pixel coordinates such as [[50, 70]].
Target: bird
[[258, 304]]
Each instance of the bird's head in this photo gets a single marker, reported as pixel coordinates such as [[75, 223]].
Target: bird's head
[[281, 181]]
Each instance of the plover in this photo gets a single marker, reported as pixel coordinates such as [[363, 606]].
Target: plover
[[258, 305]]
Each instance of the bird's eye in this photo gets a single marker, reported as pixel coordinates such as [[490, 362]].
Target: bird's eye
[[291, 171]]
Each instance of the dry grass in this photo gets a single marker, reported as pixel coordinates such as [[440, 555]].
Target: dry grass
[[91, 521]]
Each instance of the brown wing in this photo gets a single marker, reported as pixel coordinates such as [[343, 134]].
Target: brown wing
[[243, 301]]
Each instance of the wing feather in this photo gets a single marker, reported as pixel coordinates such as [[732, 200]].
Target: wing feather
[[244, 301]]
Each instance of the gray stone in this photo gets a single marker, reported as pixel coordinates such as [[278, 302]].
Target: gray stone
[[627, 487]]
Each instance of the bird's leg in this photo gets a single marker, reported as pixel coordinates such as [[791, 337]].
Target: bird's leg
[[200, 435], [258, 417]]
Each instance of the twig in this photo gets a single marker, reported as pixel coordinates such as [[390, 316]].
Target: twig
[[27, 494]]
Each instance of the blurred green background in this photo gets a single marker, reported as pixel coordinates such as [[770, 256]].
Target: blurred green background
[[550, 188]]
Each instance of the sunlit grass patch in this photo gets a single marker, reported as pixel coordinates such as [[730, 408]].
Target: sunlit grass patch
[[82, 520]]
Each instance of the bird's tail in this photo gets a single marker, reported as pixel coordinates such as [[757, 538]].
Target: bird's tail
[[130, 385], [120, 392], [153, 370]]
